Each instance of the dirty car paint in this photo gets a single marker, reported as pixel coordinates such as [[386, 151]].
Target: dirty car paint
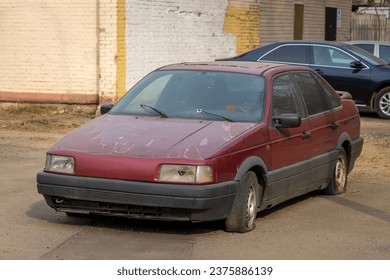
[[152, 137]]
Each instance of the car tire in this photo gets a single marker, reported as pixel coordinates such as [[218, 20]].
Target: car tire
[[382, 103], [338, 181], [243, 214]]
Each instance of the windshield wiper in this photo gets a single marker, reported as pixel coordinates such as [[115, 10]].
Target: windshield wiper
[[201, 111], [161, 113]]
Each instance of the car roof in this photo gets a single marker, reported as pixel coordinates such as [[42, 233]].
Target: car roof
[[332, 43], [387, 43], [265, 48], [246, 67]]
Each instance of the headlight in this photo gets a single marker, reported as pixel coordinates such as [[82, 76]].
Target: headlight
[[185, 173], [60, 164]]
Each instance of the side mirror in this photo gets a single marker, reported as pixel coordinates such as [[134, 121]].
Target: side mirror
[[105, 108], [287, 120], [356, 64], [344, 94]]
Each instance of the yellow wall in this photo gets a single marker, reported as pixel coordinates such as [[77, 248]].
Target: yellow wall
[[243, 22]]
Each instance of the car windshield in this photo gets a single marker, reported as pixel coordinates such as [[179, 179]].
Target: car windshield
[[194, 94], [370, 58]]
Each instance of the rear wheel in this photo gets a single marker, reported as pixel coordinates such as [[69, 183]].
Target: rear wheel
[[244, 211], [382, 103], [338, 181]]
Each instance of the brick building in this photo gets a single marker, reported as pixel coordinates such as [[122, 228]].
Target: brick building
[[89, 52]]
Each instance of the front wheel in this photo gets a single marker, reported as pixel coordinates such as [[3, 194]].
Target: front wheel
[[382, 103], [338, 181], [244, 211]]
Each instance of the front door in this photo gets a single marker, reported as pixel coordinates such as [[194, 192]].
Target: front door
[[290, 146]]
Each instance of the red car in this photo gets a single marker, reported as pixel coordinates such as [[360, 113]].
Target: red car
[[207, 141]]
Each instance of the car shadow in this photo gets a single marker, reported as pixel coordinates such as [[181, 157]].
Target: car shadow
[[41, 211], [283, 206], [365, 113]]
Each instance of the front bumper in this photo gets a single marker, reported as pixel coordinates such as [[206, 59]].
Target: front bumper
[[143, 200]]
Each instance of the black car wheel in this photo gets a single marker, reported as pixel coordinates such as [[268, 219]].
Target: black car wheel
[[244, 211], [382, 103]]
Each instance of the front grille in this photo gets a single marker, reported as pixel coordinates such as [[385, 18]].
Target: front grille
[[115, 209]]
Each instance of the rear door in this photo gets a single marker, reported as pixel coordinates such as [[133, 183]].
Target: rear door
[[321, 104]]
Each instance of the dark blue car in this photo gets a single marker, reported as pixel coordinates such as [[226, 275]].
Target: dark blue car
[[345, 67]]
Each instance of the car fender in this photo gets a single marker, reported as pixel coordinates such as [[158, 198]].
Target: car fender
[[248, 164], [344, 137]]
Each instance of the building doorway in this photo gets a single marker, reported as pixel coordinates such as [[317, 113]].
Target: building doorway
[[330, 24], [298, 21]]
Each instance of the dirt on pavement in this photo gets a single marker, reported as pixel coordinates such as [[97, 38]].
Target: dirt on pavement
[[44, 117]]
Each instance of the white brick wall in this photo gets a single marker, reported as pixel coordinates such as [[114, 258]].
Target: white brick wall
[[70, 48], [48, 46], [107, 50], [167, 31]]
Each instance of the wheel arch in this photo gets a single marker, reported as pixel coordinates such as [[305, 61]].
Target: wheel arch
[[256, 165], [376, 92], [345, 143]]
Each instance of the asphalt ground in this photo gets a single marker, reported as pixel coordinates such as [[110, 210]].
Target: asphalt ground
[[352, 226]]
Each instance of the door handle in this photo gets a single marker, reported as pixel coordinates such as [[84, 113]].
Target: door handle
[[319, 71], [334, 125], [306, 135]]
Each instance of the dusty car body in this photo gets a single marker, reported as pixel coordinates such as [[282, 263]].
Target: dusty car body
[[207, 141]]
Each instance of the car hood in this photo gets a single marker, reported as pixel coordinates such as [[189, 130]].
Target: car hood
[[138, 136]]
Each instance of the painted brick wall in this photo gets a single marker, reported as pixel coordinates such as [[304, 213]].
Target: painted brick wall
[[107, 49], [48, 49], [87, 51], [167, 31], [243, 20]]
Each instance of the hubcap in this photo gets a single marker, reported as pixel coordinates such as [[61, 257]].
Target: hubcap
[[341, 173], [384, 104], [251, 207]]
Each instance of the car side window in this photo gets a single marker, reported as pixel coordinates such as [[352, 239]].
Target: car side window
[[327, 56], [367, 47], [313, 95], [284, 97], [331, 95], [289, 53], [384, 52]]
